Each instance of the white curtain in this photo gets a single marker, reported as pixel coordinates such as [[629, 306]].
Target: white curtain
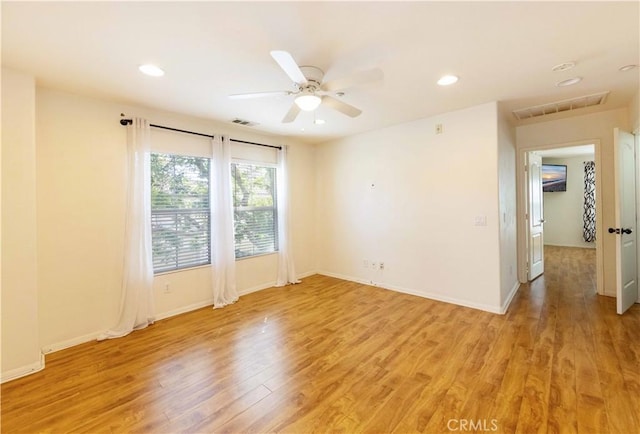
[[137, 304], [223, 261], [286, 267]]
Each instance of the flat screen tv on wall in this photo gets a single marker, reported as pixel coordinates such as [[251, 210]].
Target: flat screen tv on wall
[[554, 177]]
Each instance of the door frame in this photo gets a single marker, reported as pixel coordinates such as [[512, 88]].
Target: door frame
[[534, 210], [636, 135], [522, 205]]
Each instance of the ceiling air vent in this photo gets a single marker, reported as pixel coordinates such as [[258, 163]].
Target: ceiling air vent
[[561, 106], [243, 122]]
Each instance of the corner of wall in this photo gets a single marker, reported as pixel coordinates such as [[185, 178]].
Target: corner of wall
[[634, 113], [23, 371], [20, 339], [507, 203]]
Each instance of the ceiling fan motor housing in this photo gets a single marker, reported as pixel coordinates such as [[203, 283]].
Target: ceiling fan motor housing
[[313, 75]]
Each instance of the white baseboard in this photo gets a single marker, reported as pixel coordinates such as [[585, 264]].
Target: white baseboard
[[271, 284], [184, 309], [256, 288], [512, 293], [582, 246], [59, 346], [427, 295], [307, 274], [23, 371]]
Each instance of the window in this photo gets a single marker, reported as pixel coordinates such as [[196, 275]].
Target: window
[[180, 212], [254, 209]]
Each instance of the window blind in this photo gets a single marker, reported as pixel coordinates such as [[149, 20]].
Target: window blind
[[180, 212], [254, 209]]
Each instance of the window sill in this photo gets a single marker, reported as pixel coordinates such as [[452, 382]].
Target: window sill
[[180, 270], [244, 258]]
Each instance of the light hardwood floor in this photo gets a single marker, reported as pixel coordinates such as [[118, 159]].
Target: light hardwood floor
[[329, 355]]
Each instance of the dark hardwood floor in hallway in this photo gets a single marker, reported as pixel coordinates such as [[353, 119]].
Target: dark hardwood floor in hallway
[[335, 356]]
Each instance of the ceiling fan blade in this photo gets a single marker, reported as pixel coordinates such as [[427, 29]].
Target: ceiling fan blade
[[342, 107], [291, 114], [289, 66], [259, 94], [362, 77]]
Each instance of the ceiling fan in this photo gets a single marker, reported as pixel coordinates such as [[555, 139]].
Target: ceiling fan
[[311, 91]]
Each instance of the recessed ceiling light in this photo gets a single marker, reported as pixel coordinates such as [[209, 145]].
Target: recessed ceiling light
[[627, 67], [569, 82], [447, 80], [319, 122], [151, 70], [563, 66]]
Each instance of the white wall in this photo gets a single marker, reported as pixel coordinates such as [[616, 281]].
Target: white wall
[[563, 210], [587, 128], [20, 343], [81, 199], [419, 216], [634, 113], [507, 203]]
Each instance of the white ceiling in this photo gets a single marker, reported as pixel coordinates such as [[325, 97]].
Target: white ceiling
[[502, 51]]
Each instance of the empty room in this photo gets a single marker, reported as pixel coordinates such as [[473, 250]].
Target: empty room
[[320, 217]]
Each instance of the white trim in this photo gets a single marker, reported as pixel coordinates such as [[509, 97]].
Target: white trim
[[272, 284], [189, 308], [521, 195], [59, 346], [256, 288], [570, 245], [427, 295], [185, 309], [507, 302], [636, 135], [23, 371]]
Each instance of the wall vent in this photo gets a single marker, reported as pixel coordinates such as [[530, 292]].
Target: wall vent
[[561, 106], [243, 122]]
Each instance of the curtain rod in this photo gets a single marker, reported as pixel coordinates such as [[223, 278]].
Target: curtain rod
[[256, 144], [129, 121]]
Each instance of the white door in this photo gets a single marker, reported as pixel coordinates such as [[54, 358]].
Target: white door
[[625, 230], [535, 214]]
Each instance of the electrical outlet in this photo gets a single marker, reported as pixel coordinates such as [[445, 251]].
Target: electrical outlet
[[167, 288], [365, 263], [439, 129], [381, 266], [374, 265]]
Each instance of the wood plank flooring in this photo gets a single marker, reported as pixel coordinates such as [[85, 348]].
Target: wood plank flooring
[[335, 356]]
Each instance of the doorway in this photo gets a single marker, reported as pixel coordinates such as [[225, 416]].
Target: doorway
[[563, 213]]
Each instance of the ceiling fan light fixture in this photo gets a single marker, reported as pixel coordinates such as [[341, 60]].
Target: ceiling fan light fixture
[[308, 102]]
